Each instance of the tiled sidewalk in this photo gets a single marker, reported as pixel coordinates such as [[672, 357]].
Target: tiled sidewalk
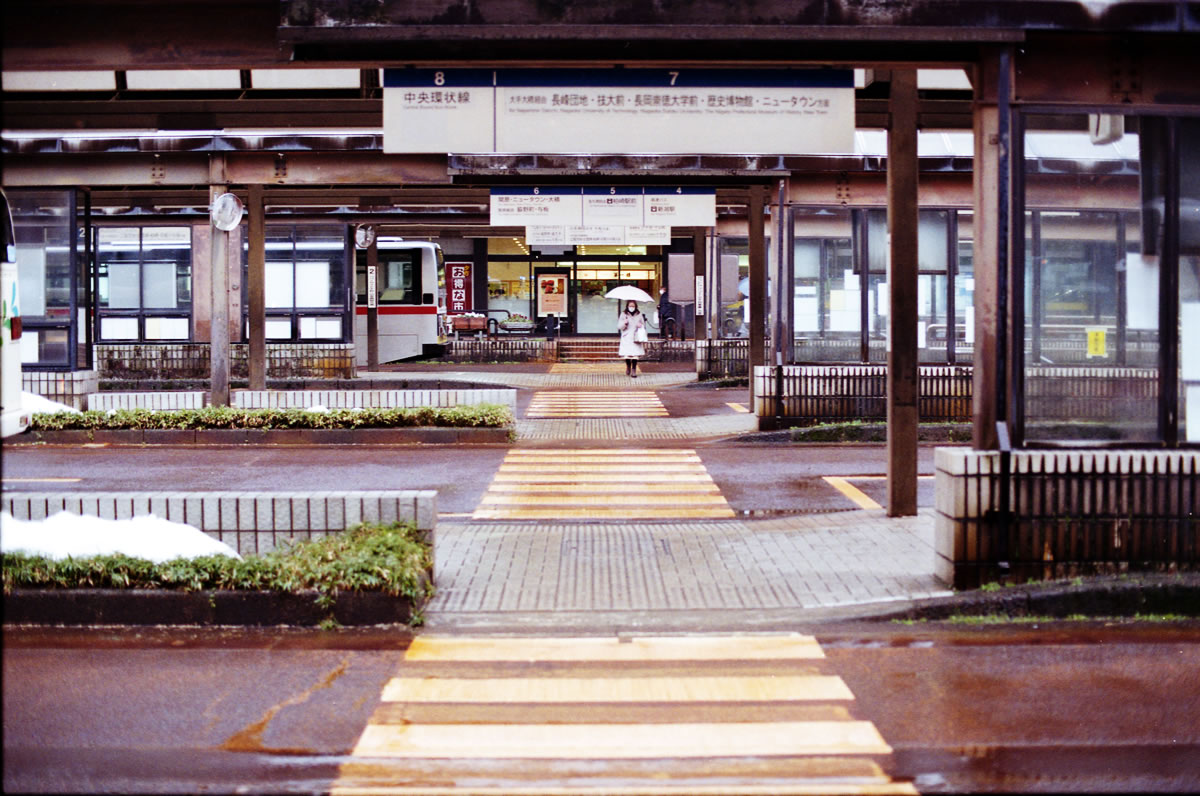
[[694, 573]]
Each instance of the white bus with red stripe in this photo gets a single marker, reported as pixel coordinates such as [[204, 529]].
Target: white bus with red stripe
[[411, 293]]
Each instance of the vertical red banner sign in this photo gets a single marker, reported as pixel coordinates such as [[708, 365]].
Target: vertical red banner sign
[[461, 295]]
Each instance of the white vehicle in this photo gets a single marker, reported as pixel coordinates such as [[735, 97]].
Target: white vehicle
[[410, 288], [14, 418]]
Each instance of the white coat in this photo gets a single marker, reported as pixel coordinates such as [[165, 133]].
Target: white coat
[[628, 326]]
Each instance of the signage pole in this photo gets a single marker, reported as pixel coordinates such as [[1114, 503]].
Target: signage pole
[[373, 306]]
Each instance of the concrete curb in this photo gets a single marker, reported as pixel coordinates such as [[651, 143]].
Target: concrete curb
[[279, 436], [164, 607], [1114, 596]]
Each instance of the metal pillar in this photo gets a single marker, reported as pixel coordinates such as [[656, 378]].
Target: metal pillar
[[902, 391], [373, 305], [699, 268], [758, 282], [256, 288], [219, 286], [988, 379]]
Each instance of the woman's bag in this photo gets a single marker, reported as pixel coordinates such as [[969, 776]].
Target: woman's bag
[[640, 336]]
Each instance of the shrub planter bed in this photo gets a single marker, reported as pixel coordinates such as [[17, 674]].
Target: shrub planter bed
[[243, 436], [369, 574]]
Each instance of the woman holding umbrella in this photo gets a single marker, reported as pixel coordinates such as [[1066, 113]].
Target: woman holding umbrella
[[632, 326], [631, 323]]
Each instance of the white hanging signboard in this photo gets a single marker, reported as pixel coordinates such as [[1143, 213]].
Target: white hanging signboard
[[438, 111], [543, 235], [647, 236], [536, 207], [680, 207], [596, 236], [629, 111]]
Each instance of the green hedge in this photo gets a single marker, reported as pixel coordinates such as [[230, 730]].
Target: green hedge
[[477, 416], [369, 557]]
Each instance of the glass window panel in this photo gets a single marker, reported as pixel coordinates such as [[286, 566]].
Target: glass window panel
[[320, 328], [31, 276], [278, 329], [509, 288], [1077, 335], [320, 266], [44, 347], [278, 285], [118, 329], [312, 284], [167, 329], [159, 286], [124, 290]]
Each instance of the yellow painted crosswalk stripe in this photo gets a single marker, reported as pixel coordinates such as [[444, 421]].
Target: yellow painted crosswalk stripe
[[547, 404], [629, 741], [782, 731], [775, 647], [618, 689], [602, 484]]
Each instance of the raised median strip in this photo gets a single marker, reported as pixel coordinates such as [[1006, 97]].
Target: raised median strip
[[251, 523], [439, 435]]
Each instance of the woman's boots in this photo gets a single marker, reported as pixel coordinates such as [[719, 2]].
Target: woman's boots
[[631, 368]]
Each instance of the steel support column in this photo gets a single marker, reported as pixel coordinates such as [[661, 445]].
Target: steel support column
[[758, 281], [902, 392], [987, 378], [219, 286], [699, 269], [256, 288]]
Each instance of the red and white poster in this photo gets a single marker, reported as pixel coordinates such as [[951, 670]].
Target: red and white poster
[[552, 294], [460, 294]]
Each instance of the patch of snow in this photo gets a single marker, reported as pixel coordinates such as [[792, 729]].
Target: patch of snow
[[70, 535], [32, 402]]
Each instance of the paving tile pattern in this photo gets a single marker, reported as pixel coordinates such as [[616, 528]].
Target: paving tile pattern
[[797, 562]]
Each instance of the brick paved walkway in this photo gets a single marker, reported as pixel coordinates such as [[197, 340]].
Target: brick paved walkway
[[741, 571]]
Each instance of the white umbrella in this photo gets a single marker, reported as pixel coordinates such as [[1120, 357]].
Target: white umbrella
[[629, 293]]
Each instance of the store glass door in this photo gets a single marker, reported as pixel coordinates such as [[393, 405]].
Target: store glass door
[[598, 315]]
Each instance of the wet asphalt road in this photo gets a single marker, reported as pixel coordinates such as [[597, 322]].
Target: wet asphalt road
[[1082, 708], [460, 475]]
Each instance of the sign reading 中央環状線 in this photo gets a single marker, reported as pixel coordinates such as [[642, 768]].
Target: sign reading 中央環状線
[[642, 111]]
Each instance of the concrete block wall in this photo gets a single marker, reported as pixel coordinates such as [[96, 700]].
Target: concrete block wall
[[371, 399], [162, 400], [249, 522], [1070, 512], [68, 387]]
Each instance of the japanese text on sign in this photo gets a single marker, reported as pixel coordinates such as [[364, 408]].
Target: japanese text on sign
[[461, 296]]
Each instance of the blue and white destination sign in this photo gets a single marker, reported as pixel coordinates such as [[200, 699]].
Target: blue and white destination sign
[[632, 111]]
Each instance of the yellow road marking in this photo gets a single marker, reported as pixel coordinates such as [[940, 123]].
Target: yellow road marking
[[601, 513], [613, 477], [876, 786], [698, 486], [856, 495], [600, 451], [627, 467], [790, 646], [41, 480], [629, 741], [739, 408], [569, 498], [803, 688]]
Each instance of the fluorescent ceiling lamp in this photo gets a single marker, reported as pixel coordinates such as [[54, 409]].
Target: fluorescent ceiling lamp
[[58, 81], [183, 79], [303, 78]]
